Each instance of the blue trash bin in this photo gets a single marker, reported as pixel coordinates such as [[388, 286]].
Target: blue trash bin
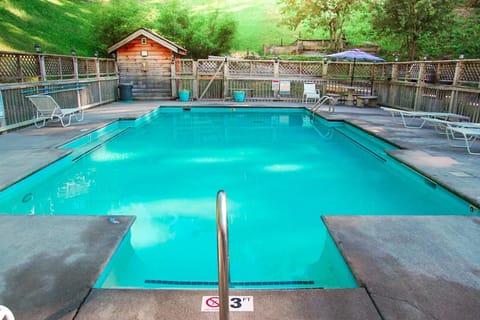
[[239, 96], [184, 95]]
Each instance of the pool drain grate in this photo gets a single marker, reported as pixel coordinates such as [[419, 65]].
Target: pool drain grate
[[234, 283]]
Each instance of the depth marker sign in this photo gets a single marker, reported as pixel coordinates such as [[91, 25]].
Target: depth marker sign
[[237, 303]]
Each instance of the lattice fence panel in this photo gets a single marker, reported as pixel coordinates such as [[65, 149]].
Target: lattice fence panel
[[338, 70], [52, 66], [240, 67], [383, 71], [313, 69], [82, 67], [289, 68], [470, 72], [362, 71], [402, 70], [18, 67], [92, 69], [185, 67], [209, 66], [446, 71], [8, 66], [263, 68], [67, 66], [30, 68], [103, 66], [111, 67]]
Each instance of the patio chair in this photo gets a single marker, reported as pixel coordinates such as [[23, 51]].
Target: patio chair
[[414, 116], [48, 109], [443, 126], [470, 135], [310, 92]]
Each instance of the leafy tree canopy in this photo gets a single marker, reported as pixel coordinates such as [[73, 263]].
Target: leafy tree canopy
[[201, 34], [330, 14], [411, 20]]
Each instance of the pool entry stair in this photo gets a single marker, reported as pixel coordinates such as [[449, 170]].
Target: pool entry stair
[[401, 276], [92, 141]]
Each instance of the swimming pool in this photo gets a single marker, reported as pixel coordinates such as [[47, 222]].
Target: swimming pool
[[281, 168]]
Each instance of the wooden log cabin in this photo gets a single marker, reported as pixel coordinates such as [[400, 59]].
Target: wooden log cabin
[[147, 60]]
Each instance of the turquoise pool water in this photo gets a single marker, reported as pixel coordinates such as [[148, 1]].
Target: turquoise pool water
[[281, 169]]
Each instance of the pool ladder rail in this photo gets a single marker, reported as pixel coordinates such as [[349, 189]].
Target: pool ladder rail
[[323, 101], [223, 256]]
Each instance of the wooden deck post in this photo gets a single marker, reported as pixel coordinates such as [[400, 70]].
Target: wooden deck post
[[324, 77], [456, 79], [195, 79], [173, 77], [97, 72], [420, 86], [225, 79], [41, 65]]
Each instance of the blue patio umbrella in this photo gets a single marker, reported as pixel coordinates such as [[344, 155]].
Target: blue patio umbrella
[[355, 55]]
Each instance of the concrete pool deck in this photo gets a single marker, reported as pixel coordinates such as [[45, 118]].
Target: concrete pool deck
[[408, 267]]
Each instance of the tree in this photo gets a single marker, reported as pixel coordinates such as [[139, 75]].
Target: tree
[[116, 19], [330, 14], [411, 20], [200, 34]]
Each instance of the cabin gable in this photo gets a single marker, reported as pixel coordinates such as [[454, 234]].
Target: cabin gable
[[145, 60]]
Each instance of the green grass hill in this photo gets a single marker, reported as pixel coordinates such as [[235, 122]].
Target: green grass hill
[[59, 25]]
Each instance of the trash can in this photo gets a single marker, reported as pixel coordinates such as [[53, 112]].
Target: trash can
[[125, 91]]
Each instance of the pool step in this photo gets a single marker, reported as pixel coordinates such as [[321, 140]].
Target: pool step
[[96, 142], [236, 284], [370, 144]]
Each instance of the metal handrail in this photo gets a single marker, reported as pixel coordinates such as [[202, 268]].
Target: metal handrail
[[223, 257], [323, 100]]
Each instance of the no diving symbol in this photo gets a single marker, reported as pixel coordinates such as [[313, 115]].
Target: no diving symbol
[[213, 302], [235, 303]]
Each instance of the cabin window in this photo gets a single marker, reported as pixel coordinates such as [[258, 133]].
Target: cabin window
[[144, 53], [143, 40]]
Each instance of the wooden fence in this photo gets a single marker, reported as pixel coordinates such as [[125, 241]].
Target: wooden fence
[[452, 86], [73, 81], [444, 86]]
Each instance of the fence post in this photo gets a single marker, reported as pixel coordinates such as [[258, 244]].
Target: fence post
[[456, 79], [41, 64], [420, 85], [195, 79], [75, 68], [225, 78], [3, 123], [276, 77], [97, 71], [324, 76], [19, 68], [173, 73]]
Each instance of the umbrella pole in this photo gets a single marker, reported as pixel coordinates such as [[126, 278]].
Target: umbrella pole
[[353, 71]]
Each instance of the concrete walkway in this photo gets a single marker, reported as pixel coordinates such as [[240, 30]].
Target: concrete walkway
[[407, 267]]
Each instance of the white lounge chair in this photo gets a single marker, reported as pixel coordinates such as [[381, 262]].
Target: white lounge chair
[[470, 135], [48, 109], [310, 92], [443, 126], [414, 116]]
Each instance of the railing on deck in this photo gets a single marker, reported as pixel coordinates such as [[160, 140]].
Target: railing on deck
[[444, 86], [72, 81]]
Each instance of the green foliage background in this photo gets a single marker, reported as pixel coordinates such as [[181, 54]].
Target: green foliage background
[[59, 25]]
